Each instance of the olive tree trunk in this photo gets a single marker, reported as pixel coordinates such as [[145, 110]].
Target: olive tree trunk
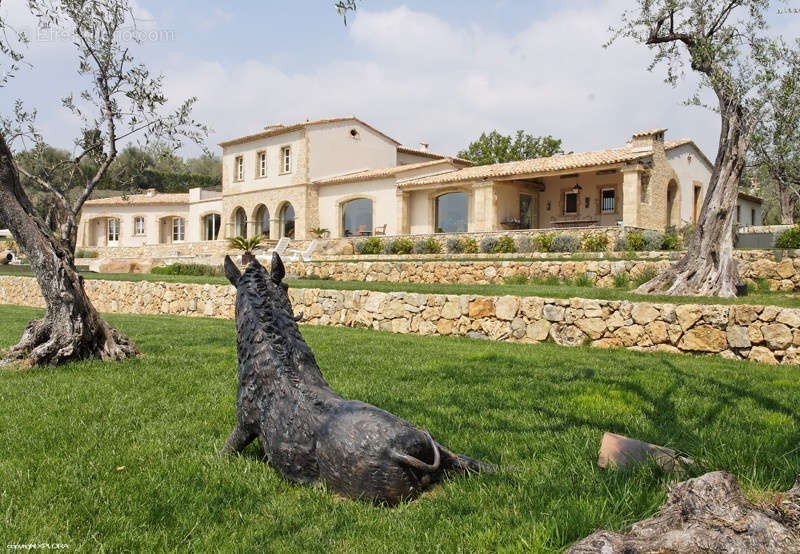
[[788, 200], [71, 328], [709, 268]]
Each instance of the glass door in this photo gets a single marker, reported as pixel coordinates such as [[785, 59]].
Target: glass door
[[526, 204]]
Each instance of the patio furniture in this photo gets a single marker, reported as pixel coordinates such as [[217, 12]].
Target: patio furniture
[[361, 231], [305, 255], [380, 230], [280, 248]]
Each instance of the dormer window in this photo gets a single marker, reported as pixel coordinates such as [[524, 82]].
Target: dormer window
[[286, 159]]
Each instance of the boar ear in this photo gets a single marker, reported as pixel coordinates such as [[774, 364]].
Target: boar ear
[[277, 271], [231, 271]]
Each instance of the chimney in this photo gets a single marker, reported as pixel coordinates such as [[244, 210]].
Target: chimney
[[273, 126], [423, 146], [647, 141], [150, 192]]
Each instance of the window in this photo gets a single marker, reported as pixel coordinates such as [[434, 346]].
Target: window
[[138, 226], [178, 229], [239, 223], [262, 164], [525, 211], [286, 159], [752, 216], [738, 213], [570, 202], [238, 171], [357, 217], [113, 230], [211, 225], [287, 221], [262, 221], [607, 197], [451, 212]]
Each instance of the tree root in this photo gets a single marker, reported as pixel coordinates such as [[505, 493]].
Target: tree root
[[707, 514]]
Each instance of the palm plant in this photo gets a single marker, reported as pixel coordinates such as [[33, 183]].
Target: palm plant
[[319, 232], [246, 245]]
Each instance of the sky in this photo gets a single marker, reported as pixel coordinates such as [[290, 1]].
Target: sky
[[439, 72]]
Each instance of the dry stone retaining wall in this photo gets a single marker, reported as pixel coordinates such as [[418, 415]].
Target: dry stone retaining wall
[[763, 333]]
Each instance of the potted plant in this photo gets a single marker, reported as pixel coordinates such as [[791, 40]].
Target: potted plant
[[319, 232], [246, 245]]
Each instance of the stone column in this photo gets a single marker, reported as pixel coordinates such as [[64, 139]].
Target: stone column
[[274, 228], [484, 212], [403, 224], [631, 189]]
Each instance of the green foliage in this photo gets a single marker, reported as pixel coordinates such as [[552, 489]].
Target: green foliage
[[653, 240], [635, 241], [583, 281], [488, 244], [245, 244], [454, 245], [671, 241], [431, 246], [470, 245], [595, 242], [402, 246], [372, 245], [81, 253], [189, 269], [543, 241], [319, 232], [504, 245], [524, 244], [644, 276], [621, 281], [565, 242], [551, 281], [515, 280], [497, 148], [790, 238]]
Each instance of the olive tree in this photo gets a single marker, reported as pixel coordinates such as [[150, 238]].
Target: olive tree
[[121, 100], [721, 42]]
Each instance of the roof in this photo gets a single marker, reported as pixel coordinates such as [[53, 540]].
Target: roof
[[429, 154], [141, 199], [671, 144], [649, 132], [275, 131], [368, 174], [750, 197], [536, 165]]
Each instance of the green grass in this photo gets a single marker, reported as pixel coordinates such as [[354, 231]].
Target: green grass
[[548, 288], [538, 411]]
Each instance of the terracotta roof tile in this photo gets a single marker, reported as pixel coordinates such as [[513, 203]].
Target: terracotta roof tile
[[429, 154], [139, 199], [648, 132], [274, 131], [368, 174]]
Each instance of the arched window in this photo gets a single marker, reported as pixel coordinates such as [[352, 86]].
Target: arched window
[[262, 221], [451, 212], [239, 223], [211, 224], [287, 221], [113, 231], [357, 217]]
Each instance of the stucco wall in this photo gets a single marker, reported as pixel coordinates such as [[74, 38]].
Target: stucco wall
[[767, 334], [333, 150], [690, 168], [382, 193], [749, 212], [92, 229]]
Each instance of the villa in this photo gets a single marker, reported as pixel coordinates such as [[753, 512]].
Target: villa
[[348, 177]]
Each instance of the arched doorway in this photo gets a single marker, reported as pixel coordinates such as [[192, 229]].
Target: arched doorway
[[673, 204], [287, 221], [451, 212], [211, 225], [239, 222], [261, 220], [357, 217]]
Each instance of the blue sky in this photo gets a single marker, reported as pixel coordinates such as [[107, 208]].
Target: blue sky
[[437, 71]]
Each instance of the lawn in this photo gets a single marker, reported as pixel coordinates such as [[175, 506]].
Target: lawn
[[562, 290], [538, 411]]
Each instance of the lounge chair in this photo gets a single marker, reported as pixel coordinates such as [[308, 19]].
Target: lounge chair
[[281, 247], [305, 255]]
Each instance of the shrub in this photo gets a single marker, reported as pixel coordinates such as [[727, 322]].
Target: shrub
[[431, 246], [470, 246], [388, 246], [488, 244], [635, 240], [454, 245], [621, 244], [524, 243], [515, 280], [687, 231], [644, 276], [565, 243], [595, 242], [505, 245], [543, 241], [583, 281], [621, 281], [372, 245], [653, 240], [402, 246], [671, 241], [189, 269], [790, 238], [81, 253]]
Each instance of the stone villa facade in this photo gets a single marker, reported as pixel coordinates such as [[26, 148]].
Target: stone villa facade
[[348, 177]]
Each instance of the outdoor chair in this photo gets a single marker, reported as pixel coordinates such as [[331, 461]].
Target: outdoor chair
[[281, 247], [305, 255], [380, 230]]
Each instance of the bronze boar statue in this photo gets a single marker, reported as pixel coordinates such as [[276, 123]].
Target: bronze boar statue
[[307, 431]]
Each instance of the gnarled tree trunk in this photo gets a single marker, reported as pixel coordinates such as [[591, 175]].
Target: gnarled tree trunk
[[708, 268], [788, 200], [71, 329]]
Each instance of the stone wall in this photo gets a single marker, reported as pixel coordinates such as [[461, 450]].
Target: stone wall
[[767, 334]]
